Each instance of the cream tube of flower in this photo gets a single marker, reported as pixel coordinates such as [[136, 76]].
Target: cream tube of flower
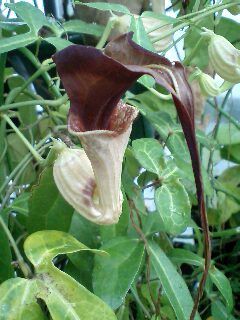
[[90, 179]]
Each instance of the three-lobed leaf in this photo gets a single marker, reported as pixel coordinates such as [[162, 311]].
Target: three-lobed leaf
[[64, 297]]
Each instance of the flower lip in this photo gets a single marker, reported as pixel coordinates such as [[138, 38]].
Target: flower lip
[[95, 80], [94, 83]]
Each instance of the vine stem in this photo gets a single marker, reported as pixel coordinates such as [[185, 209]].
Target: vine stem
[[23, 266], [205, 13], [225, 114], [24, 160], [15, 92], [110, 24], [34, 152], [31, 57], [41, 102]]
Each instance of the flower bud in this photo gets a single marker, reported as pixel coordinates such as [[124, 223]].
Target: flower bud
[[123, 23], [207, 84], [151, 22], [224, 57]]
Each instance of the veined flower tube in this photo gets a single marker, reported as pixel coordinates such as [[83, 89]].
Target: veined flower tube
[[90, 179], [95, 82]]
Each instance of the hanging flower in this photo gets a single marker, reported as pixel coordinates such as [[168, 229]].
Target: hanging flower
[[95, 82]]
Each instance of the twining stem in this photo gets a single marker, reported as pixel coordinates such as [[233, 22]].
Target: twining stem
[[160, 95], [226, 233], [110, 24], [17, 176], [42, 102], [225, 114], [200, 14], [23, 266], [34, 152], [215, 131], [3, 59], [24, 160], [15, 92], [31, 57], [138, 300]]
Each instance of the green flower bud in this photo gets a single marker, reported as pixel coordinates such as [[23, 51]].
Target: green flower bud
[[224, 57], [207, 84]]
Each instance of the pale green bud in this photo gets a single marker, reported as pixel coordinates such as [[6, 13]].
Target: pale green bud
[[224, 57]]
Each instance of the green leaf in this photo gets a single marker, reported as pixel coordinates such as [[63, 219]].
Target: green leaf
[[114, 275], [191, 39], [149, 153], [34, 18], [6, 269], [106, 6], [229, 28], [159, 16], [140, 37], [42, 246], [47, 208], [219, 311], [20, 204], [228, 134], [3, 151], [58, 43], [86, 232], [16, 152], [173, 284], [109, 232], [173, 206], [223, 285], [180, 256], [217, 277], [64, 297], [15, 42], [79, 26], [18, 300]]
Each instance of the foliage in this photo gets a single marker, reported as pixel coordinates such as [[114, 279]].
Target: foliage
[[54, 263]]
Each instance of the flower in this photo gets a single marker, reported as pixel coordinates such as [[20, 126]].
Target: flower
[[95, 81]]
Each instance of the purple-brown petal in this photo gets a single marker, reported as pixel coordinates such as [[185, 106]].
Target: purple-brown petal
[[94, 83]]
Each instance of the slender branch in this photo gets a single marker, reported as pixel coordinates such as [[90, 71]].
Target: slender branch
[[53, 103], [16, 91], [23, 266], [31, 57], [135, 294], [199, 15], [225, 114], [226, 233], [110, 24], [25, 159], [35, 154]]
